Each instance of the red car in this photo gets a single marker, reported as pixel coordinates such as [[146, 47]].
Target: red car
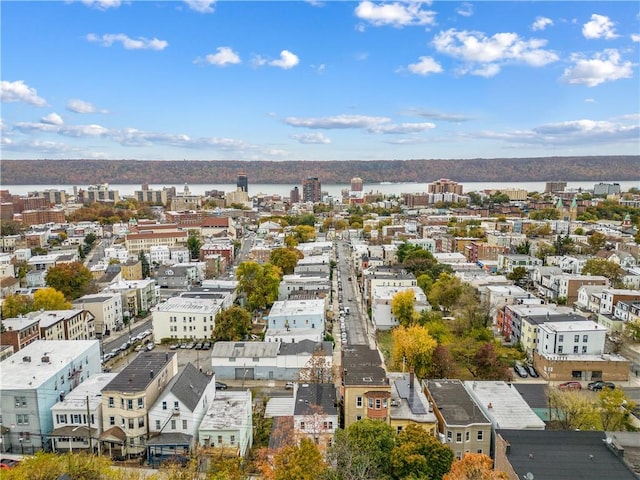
[[570, 386]]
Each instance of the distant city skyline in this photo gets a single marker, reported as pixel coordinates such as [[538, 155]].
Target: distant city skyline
[[314, 80]]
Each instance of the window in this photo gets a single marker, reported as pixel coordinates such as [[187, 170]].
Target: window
[[479, 450], [173, 424], [358, 418], [378, 404], [399, 429], [576, 338], [112, 420], [184, 424], [141, 403], [328, 425], [560, 338], [467, 436], [164, 405], [22, 419], [158, 426], [219, 439], [61, 418], [359, 402], [458, 437], [584, 349], [25, 436], [176, 405], [132, 441], [480, 435], [122, 403], [459, 455], [585, 338], [575, 349], [449, 436], [370, 402], [559, 348], [131, 423], [21, 402], [233, 439], [302, 425]]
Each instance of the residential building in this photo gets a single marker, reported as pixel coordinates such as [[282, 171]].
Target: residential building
[[242, 182], [33, 380], [577, 337], [507, 262], [42, 216], [409, 404], [20, 331], [444, 185], [131, 270], [565, 286], [175, 416], [227, 427], [462, 425], [315, 414], [530, 323], [99, 194], [185, 318], [126, 401], [560, 455], [72, 324], [138, 296], [382, 302], [293, 314], [77, 417], [311, 190], [142, 242], [365, 388], [106, 309]]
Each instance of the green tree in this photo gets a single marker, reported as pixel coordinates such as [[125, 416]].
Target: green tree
[[518, 275], [404, 249], [258, 283], [374, 440], [307, 219], [403, 308], [11, 228], [596, 241], [304, 233], [285, 258], [605, 268], [146, 268], [72, 279], [50, 299], [445, 291], [616, 410], [425, 282], [572, 410], [414, 347], [90, 239], [419, 455], [232, 324], [193, 244], [15, 304], [299, 462]]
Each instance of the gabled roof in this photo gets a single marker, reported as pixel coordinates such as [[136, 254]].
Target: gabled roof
[[189, 385], [312, 398]]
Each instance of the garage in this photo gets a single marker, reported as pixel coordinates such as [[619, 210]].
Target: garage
[[245, 373]]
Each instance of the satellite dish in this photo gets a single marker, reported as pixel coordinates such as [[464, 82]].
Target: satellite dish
[[528, 476]]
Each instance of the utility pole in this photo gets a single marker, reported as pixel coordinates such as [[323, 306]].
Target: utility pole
[[89, 425]]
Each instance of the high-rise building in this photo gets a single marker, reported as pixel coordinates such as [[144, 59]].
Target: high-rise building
[[356, 184], [552, 187], [311, 190], [294, 196], [444, 185], [243, 182]]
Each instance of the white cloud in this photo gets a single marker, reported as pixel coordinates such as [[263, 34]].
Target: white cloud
[[201, 6], [600, 26], [337, 122], [19, 91], [605, 66], [635, 37], [501, 48], [445, 117], [396, 14], [52, 119], [311, 138], [487, 71], [400, 128], [286, 61], [80, 106], [425, 66], [140, 43], [224, 56], [315, 3], [465, 10], [590, 100], [102, 4], [541, 23]]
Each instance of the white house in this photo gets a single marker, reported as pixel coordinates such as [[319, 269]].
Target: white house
[[185, 318], [292, 314], [159, 255], [227, 426], [382, 297], [582, 337]]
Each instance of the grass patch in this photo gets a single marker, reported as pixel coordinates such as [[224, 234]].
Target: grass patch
[[385, 344]]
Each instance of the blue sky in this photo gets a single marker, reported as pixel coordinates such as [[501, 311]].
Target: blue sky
[[312, 80]]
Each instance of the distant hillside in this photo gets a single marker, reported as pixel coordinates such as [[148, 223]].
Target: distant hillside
[[87, 172]]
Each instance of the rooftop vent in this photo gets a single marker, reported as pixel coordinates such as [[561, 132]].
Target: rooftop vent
[[45, 359], [26, 359]]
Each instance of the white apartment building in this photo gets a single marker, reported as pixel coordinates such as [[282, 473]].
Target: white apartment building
[[106, 309], [185, 318], [159, 255], [117, 252], [581, 337], [381, 314]]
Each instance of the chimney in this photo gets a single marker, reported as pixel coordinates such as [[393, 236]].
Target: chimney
[[411, 375]]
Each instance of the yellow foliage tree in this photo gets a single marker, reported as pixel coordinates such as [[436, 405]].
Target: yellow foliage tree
[[403, 308], [50, 299], [414, 346], [474, 466]]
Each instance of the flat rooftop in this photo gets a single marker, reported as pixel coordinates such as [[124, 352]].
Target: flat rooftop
[[227, 411], [189, 305], [454, 403], [288, 308], [91, 388]]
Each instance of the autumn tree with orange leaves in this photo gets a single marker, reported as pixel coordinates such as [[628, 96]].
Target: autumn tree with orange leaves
[[474, 466]]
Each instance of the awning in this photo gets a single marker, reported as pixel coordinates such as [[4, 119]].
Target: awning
[[73, 431], [114, 435]]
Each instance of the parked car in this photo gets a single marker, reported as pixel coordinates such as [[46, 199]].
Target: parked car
[[221, 386], [520, 370], [570, 386], [288, 386], [532, 371], [175, 346], [198, 346], [206, 345], [151, 346], [599, 385]]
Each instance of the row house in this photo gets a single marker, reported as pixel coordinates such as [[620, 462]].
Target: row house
[[609, 298], [142, 242], [572, 263], [462, 425], [565, 286], [312, 284], [409, 404], [386, 277], [20, 332], [624, 310], [185, 318], [517, 323], [218, 227], [77, 417], [315, 264], [138, 296], [507, 262], [176, 415], [227, 427], [296, 320], [315, 413], [496, 296], [66, 324], [177, 276], [126, 401], [7, 265], [506, 240], [480, 251], [106, 309], [33, 380], [582, 337], [225, 249]]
